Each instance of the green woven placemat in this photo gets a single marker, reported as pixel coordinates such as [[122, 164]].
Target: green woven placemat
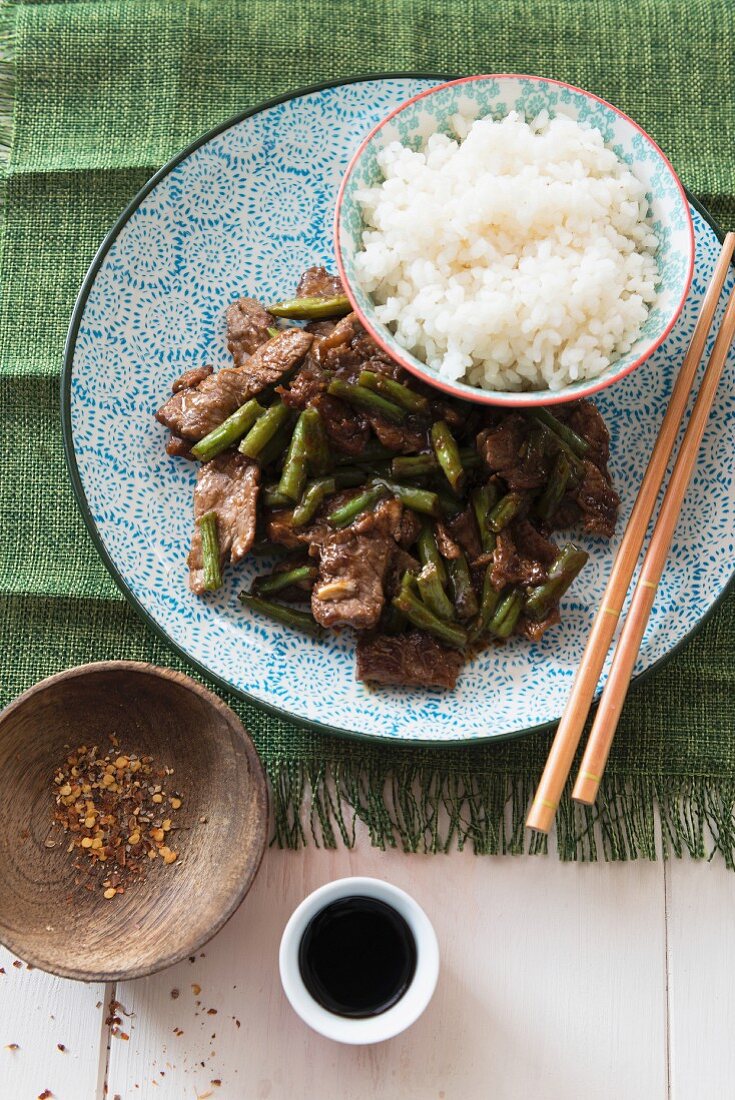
[[104, 93]]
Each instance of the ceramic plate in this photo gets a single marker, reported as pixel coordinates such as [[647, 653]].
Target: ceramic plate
[[244, 211]]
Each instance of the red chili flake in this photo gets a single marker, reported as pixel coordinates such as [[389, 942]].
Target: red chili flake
[[2, 969], [61, 1047], [17, 964], [124, 1035], [174, 993], [211, 1012], [45, 1095], [12, 1046]]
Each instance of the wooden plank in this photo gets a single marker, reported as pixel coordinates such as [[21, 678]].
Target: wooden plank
[[700, 899], [553, 984], [41, 1013]]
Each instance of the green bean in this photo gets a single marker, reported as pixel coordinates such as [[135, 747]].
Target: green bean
[[469, 458], [447, 453], [228, 432], [293, 475], [579, 445], [363, 398], [505, 511], [312, 500], [289, 616], [420, 500], [311, 309], [316, 442], [432, 593], [533, 451], [484, 500], [488, 605], [272, 498], [555, 489], [210, 551], [409, 466], [346, 513], [395, 391], [264, 429], [507, 614], [460, 583], [275, 582], [417, 613], [566, 566], [429, 551], [277, 447], [273, 331]]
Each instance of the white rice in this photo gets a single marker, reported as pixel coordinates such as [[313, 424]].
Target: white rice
[[517, 257]]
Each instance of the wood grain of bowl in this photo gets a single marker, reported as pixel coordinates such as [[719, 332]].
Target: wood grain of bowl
[[58, 925]]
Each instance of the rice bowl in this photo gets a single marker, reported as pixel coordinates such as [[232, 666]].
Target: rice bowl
[[513, 255]]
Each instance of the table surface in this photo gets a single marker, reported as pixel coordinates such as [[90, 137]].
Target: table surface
[[558, 981]]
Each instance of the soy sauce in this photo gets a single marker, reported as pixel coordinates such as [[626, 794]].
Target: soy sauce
[[357, 957]]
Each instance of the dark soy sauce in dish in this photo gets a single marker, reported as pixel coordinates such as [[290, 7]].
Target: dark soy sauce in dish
[[357, 957]]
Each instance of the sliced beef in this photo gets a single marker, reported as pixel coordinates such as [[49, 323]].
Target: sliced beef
[[279, 529], [533, 630], [335, 349], [346, 428], [534, 544], [414, 659], [193, 412], [227, 486], [310, 381], [410, 528], [598, 501], [586, 420], [316, 282], [353, 564], [448, 548], [463, 530], [406, 438], [500, 447], [401, 562], [178, 448], [191, 378], [512, 564], [247, 328]]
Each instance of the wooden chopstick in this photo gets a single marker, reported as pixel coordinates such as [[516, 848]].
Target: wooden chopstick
[[569, 731], [629, 643]]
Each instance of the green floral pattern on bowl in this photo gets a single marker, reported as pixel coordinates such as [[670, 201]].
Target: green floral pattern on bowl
[[495, 96]]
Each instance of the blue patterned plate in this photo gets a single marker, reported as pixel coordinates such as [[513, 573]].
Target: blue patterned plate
[[244, 211]]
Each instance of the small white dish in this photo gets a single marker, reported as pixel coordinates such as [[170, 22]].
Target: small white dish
[[371, 1029]]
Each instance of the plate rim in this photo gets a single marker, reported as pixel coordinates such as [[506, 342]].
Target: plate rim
[[81, 499]]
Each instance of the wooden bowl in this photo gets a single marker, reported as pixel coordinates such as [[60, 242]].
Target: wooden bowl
[[62, 927]]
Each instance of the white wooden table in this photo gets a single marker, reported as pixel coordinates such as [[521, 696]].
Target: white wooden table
[[559, 981]]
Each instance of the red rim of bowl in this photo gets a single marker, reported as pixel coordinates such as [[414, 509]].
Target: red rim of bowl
[[512, 398]]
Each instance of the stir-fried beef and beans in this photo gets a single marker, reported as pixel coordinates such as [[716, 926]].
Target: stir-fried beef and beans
[[423, 523]]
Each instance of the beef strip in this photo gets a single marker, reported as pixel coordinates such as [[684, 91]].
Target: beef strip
[[533, 630], [247, 328], [191, 378], [401, 562], [353, 564], [346, 428], [597, 501], [414, 659], [410, 528], [193, 413], [310, 381], [512, 564], [406, 438], [586, 420], [500, 447], [227, 486], [279, 529], [448, 548], [316, 282], [463, 530], [178, 448], [533, 543]]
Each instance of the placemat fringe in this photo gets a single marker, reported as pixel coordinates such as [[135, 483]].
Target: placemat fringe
[[8, 13], [416, 809]]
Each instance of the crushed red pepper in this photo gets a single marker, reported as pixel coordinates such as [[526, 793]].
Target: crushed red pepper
[[116, 811]]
